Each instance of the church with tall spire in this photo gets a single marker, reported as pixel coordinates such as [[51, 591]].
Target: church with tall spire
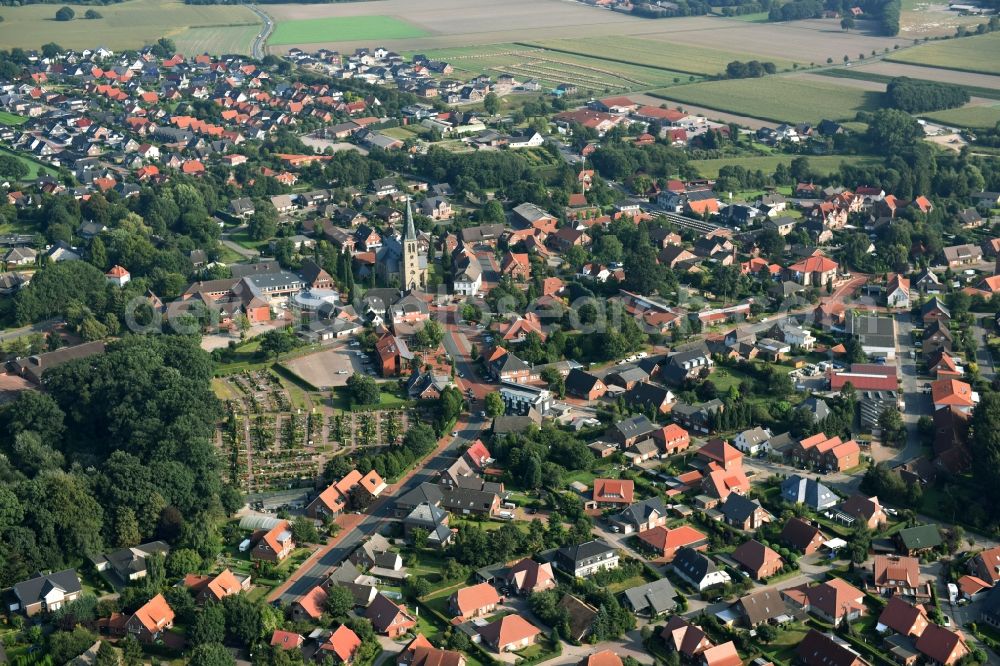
[[402, 259], [413, 273]]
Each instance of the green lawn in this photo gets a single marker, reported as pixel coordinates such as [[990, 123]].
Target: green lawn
[[821, 164], [980, 53], [970, 116], [778, 98], [343, 28], [34, 168], [8, 118]]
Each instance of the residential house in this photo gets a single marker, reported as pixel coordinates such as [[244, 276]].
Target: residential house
[[684, 365], [697, 569], [951, 393], [420, 652], [579, 617], [287, 640], [760, 607], [918, 539], [833, 601], [664, 543], [986, 565], [801, 490], [587, 558], [216, 588], [631, 430], [956, 256], [686, 639], [646, 396], [744, 513], [897, 292], [475, 601], [129, 564], [151, 620], [388, 618], [753, 441], [724, 654], [799, 535], [942, 646], [341, 645], [613, 493], [529, 576], [582, 384], [651, 599], [903, 618], [893, 575], [758, 560], [275, 545], [46, 593], [510, 633], [720, 453], [672, 439], [819, 649], [644, 515], [866, 509], [699, 417], [934, 310], [815, 271]]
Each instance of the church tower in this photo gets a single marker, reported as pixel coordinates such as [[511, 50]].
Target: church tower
[[412, 276]]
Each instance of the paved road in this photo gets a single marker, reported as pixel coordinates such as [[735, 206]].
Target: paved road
[[258, 50], [380, 514], [40, 327]]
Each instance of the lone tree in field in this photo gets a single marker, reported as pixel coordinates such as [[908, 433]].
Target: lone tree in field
[[847, 23], [65, 14]]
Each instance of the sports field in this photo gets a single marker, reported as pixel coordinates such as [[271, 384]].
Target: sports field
[[778, 98], [125, 25], [980, 53], [551, 68], [821, 164], [969, 116], [653, 53], [344, 28]]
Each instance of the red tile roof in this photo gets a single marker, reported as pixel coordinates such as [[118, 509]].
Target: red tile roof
[[468, 600], [618, 491], [342, 642]]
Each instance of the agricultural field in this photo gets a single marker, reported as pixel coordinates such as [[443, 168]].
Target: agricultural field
[[550, 68], [235, 39], [968, 116], [130, 24], [343, 28], [778, 98], [660, 54], [968, 54], [821, 164]]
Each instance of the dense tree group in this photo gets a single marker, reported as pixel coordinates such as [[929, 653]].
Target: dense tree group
[[116, 452], [914, 96]]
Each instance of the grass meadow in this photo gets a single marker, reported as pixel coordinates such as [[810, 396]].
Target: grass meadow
[[778, 98], [131, 24], [343, 28], [980, 53]]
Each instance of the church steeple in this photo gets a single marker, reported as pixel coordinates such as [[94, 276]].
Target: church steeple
[[411, 232]]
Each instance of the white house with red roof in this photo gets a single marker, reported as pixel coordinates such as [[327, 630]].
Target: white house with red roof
[[118, 276]]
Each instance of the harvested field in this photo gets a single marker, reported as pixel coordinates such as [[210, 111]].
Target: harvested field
[[130, 24], [779, 98], [686, 59], [967, 116], [968, 54], [483, 23], [551, 68], [237, 39], [920, 18], [821, 164], [970, 79], [339, 28]]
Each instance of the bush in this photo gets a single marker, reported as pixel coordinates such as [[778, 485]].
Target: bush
[[65, 14], [92, 14]]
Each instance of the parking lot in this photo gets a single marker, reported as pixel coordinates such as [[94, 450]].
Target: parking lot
[[331, 367]]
